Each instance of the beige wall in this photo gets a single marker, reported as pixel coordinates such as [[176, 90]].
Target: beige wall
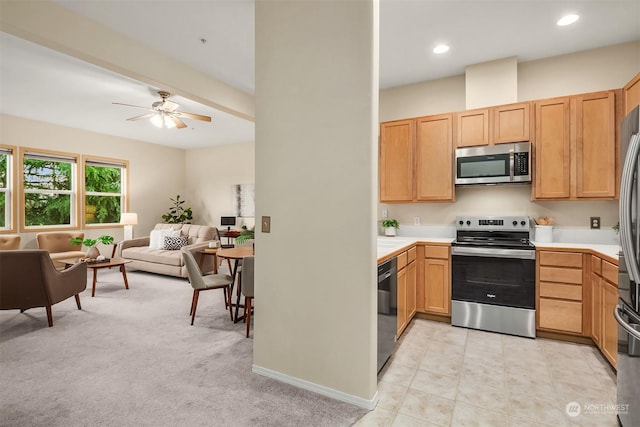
[[211, 173], [155, 172], [593, 70], [316, 145]]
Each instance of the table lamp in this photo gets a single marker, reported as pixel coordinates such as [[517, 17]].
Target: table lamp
[[129, 219]]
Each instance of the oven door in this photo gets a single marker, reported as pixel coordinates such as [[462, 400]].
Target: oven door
[[504, 277]]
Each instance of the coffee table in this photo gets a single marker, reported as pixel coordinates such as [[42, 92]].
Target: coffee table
[[95, 266]]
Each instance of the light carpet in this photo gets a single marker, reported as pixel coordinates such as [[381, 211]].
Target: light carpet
[[131, 358]]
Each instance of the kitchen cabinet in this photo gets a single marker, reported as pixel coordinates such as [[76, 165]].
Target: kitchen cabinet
[[437, 280], [434, 158], [511, 123], [604, 291], [560, 292], [575, 148], [396, 161], [631, 94], [472, 128], [406, 306]]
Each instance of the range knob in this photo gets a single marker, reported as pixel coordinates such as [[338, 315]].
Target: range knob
[[515, 223], [461, 222], [523, 223], [468, 222]]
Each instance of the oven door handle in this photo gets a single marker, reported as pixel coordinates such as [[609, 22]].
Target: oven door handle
[[494, 252]]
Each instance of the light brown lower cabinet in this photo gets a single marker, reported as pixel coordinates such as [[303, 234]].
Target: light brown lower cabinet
[[406, 289], [604, 298], [609, 325], [596, 309], [402, 296], [437, 280]]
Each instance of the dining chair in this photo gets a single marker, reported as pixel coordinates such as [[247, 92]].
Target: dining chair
[[204, 283], [247, 280]]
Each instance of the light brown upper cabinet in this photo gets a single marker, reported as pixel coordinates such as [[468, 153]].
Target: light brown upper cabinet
[[434, 158], [511, 123], [473, 128], [631, 93], [396, 161], [575, 147]]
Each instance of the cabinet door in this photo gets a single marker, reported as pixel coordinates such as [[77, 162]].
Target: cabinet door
[[434, 158], [595, 145], [609, 325], [396, 161], [631, 93], [596, 309], [511, 123], [411, 291], [473, 128], [552, 149], [437, 286], [402, 300]]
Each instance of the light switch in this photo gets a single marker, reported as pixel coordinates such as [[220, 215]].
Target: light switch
[[266, 224]]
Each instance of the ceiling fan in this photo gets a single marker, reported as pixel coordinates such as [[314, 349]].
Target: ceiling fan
[[164, 113]]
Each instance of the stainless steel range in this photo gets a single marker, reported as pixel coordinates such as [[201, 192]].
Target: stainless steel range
[[493, 275]]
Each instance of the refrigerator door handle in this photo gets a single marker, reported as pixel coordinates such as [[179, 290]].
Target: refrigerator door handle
[[627, 327], [626, 189]]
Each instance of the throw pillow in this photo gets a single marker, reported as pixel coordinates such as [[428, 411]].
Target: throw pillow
[[156, 237], [172, 243]]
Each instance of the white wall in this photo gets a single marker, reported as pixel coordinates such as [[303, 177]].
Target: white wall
[[156, 172], [211, 173], [593, 70], [316, 151]]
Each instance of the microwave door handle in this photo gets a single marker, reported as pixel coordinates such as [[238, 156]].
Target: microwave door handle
[[511, 165], [626, 199]]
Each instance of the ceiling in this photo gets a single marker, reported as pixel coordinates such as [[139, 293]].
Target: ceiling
[[41, 84]]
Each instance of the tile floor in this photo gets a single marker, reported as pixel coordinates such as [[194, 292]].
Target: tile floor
[[442, 375]]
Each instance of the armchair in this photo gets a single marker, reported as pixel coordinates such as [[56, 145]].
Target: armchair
[[59, 246], [28, 279], [9, 241]]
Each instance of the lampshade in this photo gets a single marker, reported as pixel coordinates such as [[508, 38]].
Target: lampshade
[[162, 120], [128, 218]]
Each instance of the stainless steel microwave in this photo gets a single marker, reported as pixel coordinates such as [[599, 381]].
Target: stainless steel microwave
[[496, 164]]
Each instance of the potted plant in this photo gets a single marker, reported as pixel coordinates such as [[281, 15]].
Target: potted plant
[[177, 213], [92, 252], [245, 234], [390, 226]]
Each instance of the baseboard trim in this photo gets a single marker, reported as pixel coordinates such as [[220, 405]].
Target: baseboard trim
[[369, 404]]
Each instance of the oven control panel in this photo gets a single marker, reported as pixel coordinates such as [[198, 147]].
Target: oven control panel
[[506, 223]]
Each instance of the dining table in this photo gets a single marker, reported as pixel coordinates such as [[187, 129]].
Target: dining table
[[236, 254]]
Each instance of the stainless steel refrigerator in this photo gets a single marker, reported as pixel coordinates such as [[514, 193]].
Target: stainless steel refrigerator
[[627, 312]]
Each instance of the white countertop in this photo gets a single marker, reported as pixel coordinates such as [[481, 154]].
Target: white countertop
[[388, 245]]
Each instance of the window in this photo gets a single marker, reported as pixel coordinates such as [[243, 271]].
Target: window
[[7, 198], [104, 190], [49, 186]]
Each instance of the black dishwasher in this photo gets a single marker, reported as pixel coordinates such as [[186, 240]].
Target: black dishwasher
[[387, 309]]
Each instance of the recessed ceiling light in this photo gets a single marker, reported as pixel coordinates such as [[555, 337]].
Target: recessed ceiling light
[[441, 48], [567, 20]]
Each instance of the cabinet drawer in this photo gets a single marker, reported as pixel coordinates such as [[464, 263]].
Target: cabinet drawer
[[596, 265], [402, 260], [610, 272], [561, 275], [441, 252], [411, 255], [561, 259], [561, 315], [561, 290]]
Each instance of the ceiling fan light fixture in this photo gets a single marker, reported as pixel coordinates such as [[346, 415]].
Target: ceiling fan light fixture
[[441, 48], [162, 120]]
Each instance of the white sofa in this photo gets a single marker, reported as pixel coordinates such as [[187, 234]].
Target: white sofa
[[169, 262]]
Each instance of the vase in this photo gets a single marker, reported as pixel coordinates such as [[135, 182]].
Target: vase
[[390, 231], [93, 252]]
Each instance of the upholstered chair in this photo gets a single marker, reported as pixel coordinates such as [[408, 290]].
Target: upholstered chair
[[28, 279], [59, 246], [9, 241]]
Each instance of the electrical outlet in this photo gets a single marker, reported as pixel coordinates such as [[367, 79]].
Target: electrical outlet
[[595, 222], [416, 220], [385, 213]]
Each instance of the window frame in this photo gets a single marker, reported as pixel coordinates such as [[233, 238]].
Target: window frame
[[11, 221], [26, 152], [124, 203]]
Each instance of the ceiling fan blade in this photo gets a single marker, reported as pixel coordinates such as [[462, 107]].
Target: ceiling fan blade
[[179, 123], [193, 116], [144, 116], [129, 105]]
